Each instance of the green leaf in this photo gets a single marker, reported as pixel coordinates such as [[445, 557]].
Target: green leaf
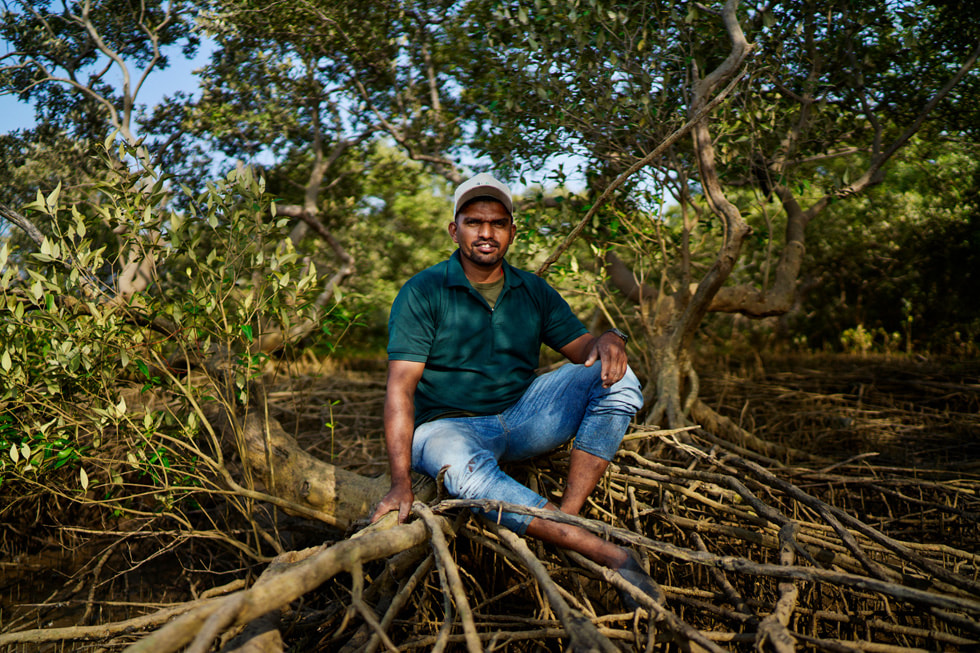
[[52, 199], [107, 143]]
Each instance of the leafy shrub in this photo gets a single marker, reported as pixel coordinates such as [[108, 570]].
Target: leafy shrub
[[100, 392]]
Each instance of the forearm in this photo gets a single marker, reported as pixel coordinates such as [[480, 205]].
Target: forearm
[[583, 347], [399, 417], [399, 428]]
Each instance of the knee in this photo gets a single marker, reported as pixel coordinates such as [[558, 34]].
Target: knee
[[627, 392], [474, 478]]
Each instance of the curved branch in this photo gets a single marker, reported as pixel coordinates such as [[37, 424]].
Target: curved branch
[[26, 225], [449, 574], [48, 76], [154, 35], [779, 299], [622, 277], [582, 633], [871, 175], [290, 584], [655, 154], [103, 631], [123, 123], [736, 229]]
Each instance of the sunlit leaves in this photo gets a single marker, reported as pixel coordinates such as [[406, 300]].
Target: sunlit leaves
[[69, 342]]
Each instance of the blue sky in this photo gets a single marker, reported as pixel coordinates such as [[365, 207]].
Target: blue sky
[[16, 115], [178, 77]]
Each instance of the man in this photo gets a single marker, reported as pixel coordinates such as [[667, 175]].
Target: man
[[462, 395]]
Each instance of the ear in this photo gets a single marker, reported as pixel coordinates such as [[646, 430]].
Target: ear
[[452, 231]]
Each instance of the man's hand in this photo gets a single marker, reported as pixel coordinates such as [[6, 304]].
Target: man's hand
[[400, 498], [610, 350]]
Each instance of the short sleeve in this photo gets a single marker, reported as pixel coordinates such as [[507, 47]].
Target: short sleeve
[[412, 325], [561, 326]]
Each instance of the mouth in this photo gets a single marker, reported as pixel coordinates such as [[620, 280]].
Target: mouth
[[485, 247]]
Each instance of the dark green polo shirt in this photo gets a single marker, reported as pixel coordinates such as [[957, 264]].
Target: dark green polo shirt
[[477, 360]]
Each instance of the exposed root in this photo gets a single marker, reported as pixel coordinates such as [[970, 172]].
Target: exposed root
[[795, 554]]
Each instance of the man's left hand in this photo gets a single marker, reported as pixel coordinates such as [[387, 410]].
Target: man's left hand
[[610, 350]]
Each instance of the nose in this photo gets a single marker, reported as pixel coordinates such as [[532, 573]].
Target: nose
[[485, 230]]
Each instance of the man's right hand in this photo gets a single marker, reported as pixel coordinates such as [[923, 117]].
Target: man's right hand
[[399, 498]]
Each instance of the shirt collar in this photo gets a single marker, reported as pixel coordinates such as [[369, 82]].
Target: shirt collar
[[456, 277]]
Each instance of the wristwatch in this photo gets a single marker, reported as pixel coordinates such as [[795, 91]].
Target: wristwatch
[[619, 333]]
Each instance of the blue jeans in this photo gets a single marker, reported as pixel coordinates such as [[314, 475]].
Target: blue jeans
[[565, 403]]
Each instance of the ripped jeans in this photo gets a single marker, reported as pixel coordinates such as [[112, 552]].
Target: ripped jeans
[[565, 403]]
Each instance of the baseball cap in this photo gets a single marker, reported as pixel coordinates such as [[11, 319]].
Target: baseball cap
[[483, 185]]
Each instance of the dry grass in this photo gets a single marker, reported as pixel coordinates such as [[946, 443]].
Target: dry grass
[[909, 412]]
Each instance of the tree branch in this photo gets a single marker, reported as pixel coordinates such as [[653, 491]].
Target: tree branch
[[870, 175], [26, 225], [656, 153]]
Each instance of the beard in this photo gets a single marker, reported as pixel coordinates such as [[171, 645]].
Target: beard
[[485, 253]]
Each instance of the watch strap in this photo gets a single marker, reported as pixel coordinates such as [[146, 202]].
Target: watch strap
[[625, 338]]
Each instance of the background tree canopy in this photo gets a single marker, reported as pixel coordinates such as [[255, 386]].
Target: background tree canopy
[[788, 176], [325, 97]]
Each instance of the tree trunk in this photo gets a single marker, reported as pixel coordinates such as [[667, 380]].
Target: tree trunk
[[668, 384], [671, 344]]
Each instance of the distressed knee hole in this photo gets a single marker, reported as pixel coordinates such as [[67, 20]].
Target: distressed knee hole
[[473, 479]]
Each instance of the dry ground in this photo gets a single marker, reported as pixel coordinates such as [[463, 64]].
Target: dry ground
[[895, 444]]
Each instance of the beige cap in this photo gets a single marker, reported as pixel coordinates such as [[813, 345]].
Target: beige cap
[[483, 185]]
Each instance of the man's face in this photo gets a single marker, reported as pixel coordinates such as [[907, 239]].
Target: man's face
[[483, 230]]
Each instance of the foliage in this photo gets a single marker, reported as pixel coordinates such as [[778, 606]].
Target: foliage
[[902, 259], [608, 82], [360, 117], [830, 87], [84, 67], [359, 113], [99, 388], [401, 229], [64, 55]]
